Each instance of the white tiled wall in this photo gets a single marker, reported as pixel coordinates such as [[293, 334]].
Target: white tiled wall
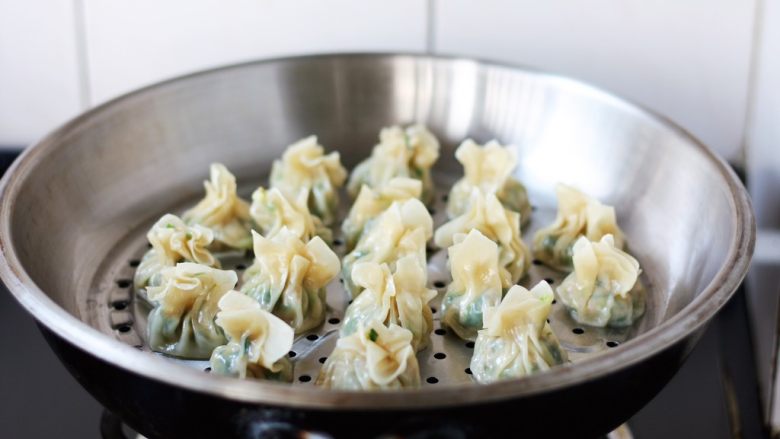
[[39, 82], [138, 42], [688, 60]]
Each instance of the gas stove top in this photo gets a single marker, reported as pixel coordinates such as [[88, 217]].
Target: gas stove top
[[714, 395]]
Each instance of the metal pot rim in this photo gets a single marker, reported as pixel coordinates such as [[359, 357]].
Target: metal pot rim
[[692, 316]]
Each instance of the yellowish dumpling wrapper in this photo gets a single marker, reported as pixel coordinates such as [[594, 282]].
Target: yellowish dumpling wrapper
[[258, 341], [173, 241], [271, 211], [401, 230], [409, 152], [488, 168], [604, 289], [288, 277], [370, 203], [486, 214], [476, 284], [399, 298], [223, 211], [305, 167], [578, 215], [375, 357], [186, 303], [517, 340]]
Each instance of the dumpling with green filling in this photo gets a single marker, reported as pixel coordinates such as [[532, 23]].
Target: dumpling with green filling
[[288, 277], [476, 284], [517, 340], [409, 152], [488, 168], [604, 289], [182, 323], [400, 298], [370, 203], [172, 242], [486, 214], [271, 211], [578, 215], [375, 357], [402, 229], [223, 211], [258, 341], [305, 167]]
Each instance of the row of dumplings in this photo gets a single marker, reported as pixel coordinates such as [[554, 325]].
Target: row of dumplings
[[247, 333]]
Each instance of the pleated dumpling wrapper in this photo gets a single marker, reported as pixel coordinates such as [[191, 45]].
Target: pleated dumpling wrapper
[[517, 340], [402, 229], [222, 211], [476, 284], [409, 152], [488, 168], [271, 211], [400, 298], [258, 341], [172, 242], [578, 215], [376, 357], [486, 214], [185, 307], [372, 202], [305, 167], [604, 289], [288, 277]]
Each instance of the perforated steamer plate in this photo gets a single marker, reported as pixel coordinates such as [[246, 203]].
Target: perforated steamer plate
[[110, 304]]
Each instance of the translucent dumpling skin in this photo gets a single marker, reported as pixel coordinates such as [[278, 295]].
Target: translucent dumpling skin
[[370, 203], [402, 229], [476, 284], [288, 277], [578, 215], [222, 211], [376, 357], [409, 152], [305, 167], [271, 210], [172, 241], [517, 340], [604, 289], [486, 214], [399, 298], [489, 169], [182, 323], [258, 341]]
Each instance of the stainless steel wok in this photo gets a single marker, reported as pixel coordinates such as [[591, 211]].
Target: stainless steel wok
[[75, 208]]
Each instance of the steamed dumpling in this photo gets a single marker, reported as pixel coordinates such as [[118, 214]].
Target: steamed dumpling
[[271, 211], [185, 307], [223, 211], [578, 215], [604, 289], [517, 340], [304, 167], [288, 277], [402, 229], [400, 153], [258, 341], [173, 241], [488, 168], [486, 214], [476, 284], [375, 357], [371, 203], [399, 298]]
